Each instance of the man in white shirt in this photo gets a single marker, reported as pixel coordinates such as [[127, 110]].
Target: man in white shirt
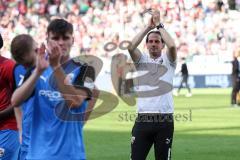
[[154, 124]]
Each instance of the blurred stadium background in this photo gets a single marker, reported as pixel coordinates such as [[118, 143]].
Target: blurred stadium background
[[206, 33]]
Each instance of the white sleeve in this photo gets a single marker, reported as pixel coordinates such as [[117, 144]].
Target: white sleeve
[[142, 59], [172, 64]]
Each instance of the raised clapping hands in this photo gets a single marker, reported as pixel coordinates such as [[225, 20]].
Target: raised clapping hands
[[42, 63], [155, 18], [54, 52]]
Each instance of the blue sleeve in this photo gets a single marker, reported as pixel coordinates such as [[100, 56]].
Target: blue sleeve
[[21, 75], [18, 74]]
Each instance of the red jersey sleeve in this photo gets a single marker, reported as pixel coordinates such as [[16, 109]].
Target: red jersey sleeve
[[6, 90]]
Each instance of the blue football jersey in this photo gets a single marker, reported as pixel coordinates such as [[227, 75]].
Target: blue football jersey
[[56, 132], [20, 74], [9, 144]]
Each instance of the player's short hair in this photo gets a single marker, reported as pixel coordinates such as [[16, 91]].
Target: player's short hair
[[60, 27], [156, 32], [21, 45], [1, 41]]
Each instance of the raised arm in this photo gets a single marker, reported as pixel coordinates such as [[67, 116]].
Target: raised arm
[[26, 89], [135, 53], [74, 97], [172, 50]]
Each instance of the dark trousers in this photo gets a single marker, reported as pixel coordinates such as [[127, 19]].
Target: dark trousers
[[235, 89], [184, 81], [152, 129]]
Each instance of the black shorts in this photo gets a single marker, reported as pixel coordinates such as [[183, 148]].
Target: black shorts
[[152, 129]]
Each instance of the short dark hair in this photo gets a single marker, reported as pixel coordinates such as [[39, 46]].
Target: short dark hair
[[156, 32], [21, 45], [60, 27]]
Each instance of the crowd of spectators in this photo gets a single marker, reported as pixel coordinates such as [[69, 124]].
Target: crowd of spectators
[[200, 27]]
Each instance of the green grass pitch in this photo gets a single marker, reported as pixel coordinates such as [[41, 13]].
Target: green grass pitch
[[206, 128]]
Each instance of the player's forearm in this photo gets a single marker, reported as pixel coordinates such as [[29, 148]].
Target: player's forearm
[[167, 38], [91, 104], [6, 113], [169, 43], [18, 115], [25, 90], [138, 38], [73, 97]]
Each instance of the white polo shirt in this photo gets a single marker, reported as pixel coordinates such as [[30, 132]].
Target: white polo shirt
[[162, 102]]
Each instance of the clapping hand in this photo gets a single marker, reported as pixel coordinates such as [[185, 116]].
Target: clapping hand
[[54, 52], [42, 63], [155, 18]]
